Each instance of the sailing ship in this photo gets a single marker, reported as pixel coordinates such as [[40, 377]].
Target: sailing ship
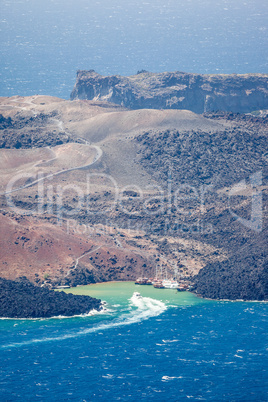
[[170, 284], [159, 283]]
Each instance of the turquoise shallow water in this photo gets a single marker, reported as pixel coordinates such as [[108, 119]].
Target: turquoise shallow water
[[167, 346], [120, 292]]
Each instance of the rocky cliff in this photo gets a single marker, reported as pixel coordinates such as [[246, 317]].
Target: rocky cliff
[[177, 90]]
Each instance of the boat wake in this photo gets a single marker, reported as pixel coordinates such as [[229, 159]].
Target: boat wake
[[141, 308], [147, 307]]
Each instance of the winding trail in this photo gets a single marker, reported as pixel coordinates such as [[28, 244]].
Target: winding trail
[[84, 254], [27, 102], [96, 158], [79, 258], [61, 127]]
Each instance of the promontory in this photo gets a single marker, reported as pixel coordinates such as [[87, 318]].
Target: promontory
[[199, 93]]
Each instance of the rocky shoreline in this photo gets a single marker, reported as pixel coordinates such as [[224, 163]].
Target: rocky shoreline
[[22, 299], [175, 90], [241, 277]]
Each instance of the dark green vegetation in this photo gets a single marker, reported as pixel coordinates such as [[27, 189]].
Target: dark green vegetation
[[21, 299]]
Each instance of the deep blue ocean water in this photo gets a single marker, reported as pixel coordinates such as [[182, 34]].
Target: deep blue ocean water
[[175, 349], [43, 43]]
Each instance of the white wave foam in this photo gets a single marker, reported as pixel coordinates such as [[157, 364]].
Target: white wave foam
[[169, 340], [167, 378], [146, 308], [104, 310]]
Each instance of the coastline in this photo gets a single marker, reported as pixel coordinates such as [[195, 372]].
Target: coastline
[[235, 300], [77, 292], [22, 299], [58, 317], [159, 290]]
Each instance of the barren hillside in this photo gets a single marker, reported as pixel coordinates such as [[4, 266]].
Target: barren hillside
[[91, 191]]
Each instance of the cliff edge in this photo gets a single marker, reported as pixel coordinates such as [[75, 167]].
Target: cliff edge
[[239, 93]]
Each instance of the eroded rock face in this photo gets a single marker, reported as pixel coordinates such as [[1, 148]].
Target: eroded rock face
[[177, 90]]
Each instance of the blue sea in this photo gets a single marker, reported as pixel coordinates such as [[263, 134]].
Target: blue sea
[[44, 43], [167, 346]]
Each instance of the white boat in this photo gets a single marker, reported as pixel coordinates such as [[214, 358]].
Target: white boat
[[137, 295], [170, 284]]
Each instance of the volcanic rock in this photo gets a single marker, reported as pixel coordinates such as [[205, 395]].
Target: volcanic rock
[[21, 299], [176, 90]]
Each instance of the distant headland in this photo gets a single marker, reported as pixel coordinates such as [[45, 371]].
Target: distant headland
[[238, 93]]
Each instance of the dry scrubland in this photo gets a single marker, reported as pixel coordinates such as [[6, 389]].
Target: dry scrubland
[[124, 226]]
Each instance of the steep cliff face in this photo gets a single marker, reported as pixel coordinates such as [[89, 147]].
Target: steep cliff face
[[198, 93]]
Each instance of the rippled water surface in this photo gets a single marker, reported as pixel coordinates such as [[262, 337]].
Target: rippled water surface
[[165, 346], [43, 43]]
